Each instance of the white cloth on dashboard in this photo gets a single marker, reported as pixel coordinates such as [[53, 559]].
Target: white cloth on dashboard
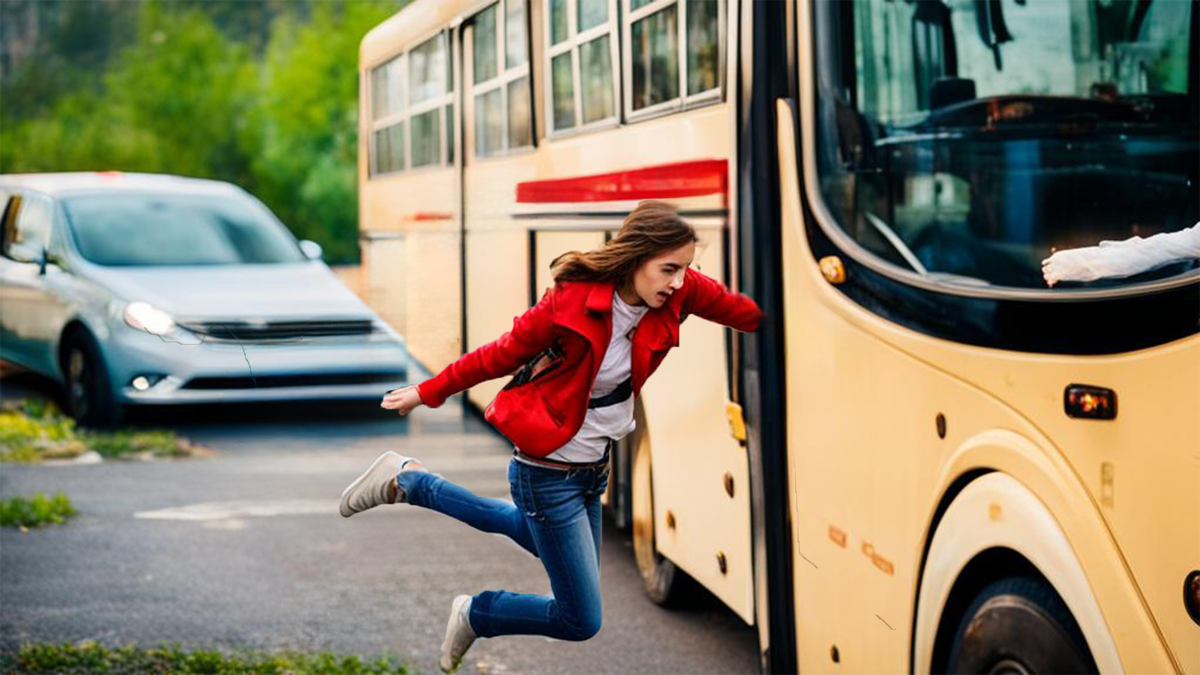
[[1117, 259]]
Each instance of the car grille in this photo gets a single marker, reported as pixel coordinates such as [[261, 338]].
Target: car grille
[[308, 380], [279, 330]]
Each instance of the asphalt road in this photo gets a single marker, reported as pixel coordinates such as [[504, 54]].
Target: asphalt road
[[246, 549]]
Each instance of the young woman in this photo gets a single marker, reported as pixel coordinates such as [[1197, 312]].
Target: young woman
[[584, 352]]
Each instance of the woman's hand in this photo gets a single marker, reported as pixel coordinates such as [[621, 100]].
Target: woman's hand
[[402, 400]]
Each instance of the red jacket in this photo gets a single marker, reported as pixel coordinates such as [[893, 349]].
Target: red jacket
[[541, 415]]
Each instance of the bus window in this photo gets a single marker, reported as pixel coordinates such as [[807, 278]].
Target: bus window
[[580, 60], [655, 59], [500, 65], [965, 153], [703, 46], [429, 93], [655, 78], [387, 121]]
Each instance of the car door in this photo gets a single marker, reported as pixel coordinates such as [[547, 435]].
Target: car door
[[31, 312]]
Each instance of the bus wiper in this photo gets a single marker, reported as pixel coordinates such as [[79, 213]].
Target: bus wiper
[[897, 243]]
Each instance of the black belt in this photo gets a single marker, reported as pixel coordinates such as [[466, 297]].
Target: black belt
[[564, 466], [618, 395]]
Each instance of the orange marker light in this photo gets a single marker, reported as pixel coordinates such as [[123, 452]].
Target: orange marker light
[[1088, 402]]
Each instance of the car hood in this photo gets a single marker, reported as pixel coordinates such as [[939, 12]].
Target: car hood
[[283, 291]]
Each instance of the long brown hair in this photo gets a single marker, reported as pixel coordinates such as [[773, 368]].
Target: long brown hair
[[653, 228]]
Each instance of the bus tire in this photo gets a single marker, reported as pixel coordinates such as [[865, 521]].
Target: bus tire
[[1019, 624], [665, 584]]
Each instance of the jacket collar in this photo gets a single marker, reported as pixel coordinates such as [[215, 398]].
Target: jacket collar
[[658, 330], [599, 298]]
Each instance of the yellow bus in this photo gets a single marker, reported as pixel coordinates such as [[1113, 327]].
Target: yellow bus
[[925, 460]]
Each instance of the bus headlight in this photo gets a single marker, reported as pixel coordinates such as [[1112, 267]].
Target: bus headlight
[[143, 316]]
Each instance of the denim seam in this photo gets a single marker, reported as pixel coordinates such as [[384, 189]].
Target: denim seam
[[570, 581]]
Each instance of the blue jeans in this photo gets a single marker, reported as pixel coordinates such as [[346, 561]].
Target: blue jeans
[[555, 515]]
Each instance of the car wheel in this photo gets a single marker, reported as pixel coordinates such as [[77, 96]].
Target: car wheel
[[1019, 625], [89, 394], [664, 583]]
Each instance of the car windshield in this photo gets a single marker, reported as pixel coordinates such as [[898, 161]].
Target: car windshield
[[965, 140], [170, 229]]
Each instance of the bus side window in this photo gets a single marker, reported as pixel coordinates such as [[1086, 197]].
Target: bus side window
[[580, 59], [654, 76], [430, 92], [387, 85], [500, 78]]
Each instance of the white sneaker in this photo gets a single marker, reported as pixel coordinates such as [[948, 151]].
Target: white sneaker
[[371, 488], [459, 635]]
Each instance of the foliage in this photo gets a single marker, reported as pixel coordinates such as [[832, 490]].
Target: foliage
[[94, 658], [36, 511], [35, 429], [261, 94]]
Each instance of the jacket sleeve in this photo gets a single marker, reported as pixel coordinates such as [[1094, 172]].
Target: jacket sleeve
[[708, 299], [532, 333]]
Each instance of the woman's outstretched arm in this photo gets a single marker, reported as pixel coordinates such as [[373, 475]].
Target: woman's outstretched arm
[[708, 299], [1119, 259], [532, 332]]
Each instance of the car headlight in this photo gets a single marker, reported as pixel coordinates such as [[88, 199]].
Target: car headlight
[[142, 316]]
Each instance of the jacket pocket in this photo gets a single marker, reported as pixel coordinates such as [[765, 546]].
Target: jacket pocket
[[539, 366]]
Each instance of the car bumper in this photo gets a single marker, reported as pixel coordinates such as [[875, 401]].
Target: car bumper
[[188, 370]]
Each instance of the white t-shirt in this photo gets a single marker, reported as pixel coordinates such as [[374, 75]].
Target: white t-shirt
[[614, 421]]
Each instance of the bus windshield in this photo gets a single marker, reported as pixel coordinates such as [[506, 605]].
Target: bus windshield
[[966, 140]]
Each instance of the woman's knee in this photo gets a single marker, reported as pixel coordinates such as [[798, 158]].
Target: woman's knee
[[583, 627]]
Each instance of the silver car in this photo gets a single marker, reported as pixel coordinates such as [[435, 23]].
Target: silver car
[[153, 290]]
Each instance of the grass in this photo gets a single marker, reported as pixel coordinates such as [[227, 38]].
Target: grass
[[33, 430], [90, 657], [35, 512]]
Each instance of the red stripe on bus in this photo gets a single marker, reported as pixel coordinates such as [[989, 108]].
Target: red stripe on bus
[[424, 216], [666, 181]]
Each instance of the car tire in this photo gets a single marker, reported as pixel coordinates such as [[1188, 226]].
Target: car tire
[[89, 395], [665, 584], [1019, 625]]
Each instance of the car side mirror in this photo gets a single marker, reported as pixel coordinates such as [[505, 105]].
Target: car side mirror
[[311, 249]]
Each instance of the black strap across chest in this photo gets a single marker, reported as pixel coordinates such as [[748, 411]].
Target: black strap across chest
[[618, 395]]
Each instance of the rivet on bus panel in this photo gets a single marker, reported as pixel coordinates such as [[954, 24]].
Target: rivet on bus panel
[[834, 655], [832, 268], [941, 425], [670, 520], [724, 566], [837, 536], [729, 484]]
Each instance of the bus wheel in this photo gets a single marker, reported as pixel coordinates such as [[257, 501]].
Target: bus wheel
[[665, 584], [1019, 625]]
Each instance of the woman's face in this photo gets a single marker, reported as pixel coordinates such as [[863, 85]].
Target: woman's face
[[662, 275]]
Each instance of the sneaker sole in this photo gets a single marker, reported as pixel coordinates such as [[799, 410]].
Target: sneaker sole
[[455, 608], [344, 506]]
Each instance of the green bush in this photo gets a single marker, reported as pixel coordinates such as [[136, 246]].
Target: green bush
[[35, 429], [35, 512], [195, 89], [131, 660]]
